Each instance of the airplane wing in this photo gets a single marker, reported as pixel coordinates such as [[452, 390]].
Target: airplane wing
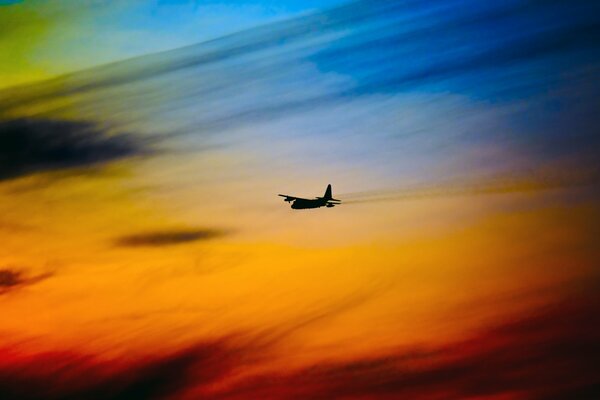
[[290, 198]]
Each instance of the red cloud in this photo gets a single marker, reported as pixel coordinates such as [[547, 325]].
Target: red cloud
[[550, 354]]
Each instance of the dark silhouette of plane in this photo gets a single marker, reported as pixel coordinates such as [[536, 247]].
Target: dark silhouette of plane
[[300, 203]]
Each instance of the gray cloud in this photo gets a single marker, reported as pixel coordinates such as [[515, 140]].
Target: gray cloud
[[30, 145]]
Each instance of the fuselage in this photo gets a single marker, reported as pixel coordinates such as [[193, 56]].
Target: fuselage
[[299, 204]]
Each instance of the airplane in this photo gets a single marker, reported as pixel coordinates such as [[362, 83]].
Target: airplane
[[300, 203]]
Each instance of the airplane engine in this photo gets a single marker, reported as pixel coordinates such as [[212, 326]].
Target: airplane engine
[[330, 205]]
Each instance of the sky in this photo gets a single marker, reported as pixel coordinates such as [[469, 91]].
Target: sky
[[145, 252]]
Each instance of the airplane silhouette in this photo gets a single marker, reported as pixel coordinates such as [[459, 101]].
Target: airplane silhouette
[[300, 203]]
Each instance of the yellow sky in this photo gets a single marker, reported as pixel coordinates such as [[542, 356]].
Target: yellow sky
[[358, 278]]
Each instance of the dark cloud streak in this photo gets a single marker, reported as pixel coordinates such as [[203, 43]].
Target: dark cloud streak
[[67, 375], [15, 278], [168, 237], [29, 145]]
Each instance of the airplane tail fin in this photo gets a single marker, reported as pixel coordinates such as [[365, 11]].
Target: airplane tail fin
[[328, 194]]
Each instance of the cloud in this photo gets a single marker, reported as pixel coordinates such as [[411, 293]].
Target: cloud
[[511, 56], [168, 237], [69, 375], [31, 145], [531, 182], [342, 40], [11, 279], [549, 353]]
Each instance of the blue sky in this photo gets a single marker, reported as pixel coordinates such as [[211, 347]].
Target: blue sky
[[449, 84]]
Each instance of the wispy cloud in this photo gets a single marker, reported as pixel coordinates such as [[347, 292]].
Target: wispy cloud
[[361, 50], [532, 182], [445, 40], [547, 354], [533, 356], [534, 61]]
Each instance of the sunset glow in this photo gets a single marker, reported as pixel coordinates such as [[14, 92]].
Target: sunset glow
[[145, 253]]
